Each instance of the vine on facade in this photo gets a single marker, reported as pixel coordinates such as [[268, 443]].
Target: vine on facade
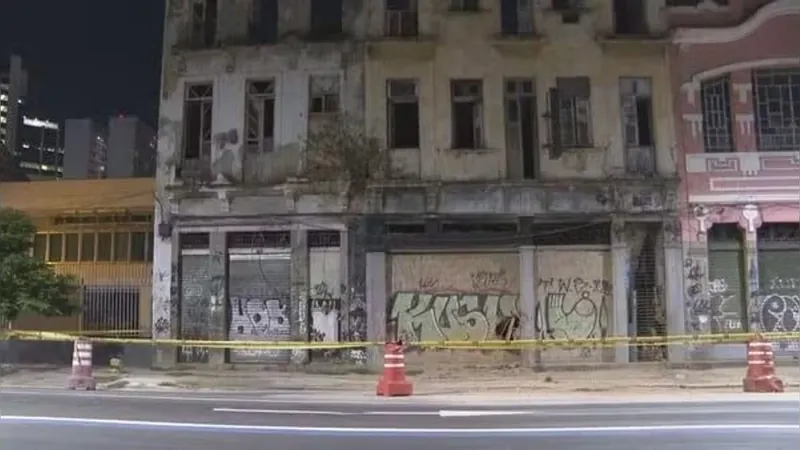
[[340, 151]]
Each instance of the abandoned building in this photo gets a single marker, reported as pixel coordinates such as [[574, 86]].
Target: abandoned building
[[736, 76], [530, 187]]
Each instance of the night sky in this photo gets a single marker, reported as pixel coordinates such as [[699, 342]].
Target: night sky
[[86, 58]]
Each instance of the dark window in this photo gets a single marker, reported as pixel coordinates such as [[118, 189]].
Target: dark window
[[121, 246], [138, 246], [71, 247], [403, 114], [87, 246], [326, 18], [40, 246], [104, 246], [715, 96], [467, 107], [56, 247], [264, 22]]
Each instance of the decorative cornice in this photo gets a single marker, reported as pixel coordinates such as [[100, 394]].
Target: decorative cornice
[[731, 34]]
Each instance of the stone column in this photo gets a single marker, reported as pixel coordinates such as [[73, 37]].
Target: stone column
[[620, 267], [218, 301], [695, 270], [673, 287], [299, 313], [750, 222], [377, 291], [527, 302]]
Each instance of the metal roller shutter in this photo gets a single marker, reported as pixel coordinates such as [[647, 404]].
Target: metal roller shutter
[[778, 309], [195, 307], [726, 281], [258, 308]]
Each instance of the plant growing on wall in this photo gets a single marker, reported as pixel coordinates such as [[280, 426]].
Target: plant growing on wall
[[28, 284], [339, 151]]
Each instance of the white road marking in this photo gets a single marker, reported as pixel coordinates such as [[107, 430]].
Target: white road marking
[[354, 430], [281, 411], [484, 413]]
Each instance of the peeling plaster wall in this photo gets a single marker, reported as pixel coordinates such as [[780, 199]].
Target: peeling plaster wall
[[465, 48]]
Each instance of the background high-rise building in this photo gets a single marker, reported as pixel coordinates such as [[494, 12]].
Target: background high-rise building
[[131, 148], [85, 149], [124, 148], [39, 153], [13, 88]]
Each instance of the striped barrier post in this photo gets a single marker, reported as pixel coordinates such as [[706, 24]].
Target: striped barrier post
[[393, 383], [82, 376], [761, 376]]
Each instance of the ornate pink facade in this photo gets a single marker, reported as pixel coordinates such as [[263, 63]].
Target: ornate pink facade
[[737, 115]]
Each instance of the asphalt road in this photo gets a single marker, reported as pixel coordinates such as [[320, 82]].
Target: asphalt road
[[55, 420]]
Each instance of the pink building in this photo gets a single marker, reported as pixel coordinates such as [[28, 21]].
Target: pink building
[[736, 77]]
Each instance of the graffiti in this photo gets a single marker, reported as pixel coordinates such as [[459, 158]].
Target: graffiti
[[777, 283], [572, 308], [420, 316], [780, 313], [324, 313], [698, 305], [258, 319], [486, 280], [722, 308], [717, 286]]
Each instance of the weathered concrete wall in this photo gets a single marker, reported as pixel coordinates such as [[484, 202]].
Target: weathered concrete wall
[[452, 296], [574, 290], [465, 46]]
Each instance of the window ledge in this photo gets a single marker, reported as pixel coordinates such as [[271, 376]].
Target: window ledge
[[472, 150]]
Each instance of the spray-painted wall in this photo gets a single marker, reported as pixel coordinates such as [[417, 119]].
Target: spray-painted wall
[[326, 293], [452, 296], [574, 293]]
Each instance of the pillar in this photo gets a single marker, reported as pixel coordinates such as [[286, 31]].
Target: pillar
[[527, 302], [673, 287], [695, 268], [620, 266], [166, 293], [376, 287], [299, 312], [217, 291], [750, 222]]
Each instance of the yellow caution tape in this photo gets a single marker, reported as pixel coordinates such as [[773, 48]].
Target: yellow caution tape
[[452, 345]]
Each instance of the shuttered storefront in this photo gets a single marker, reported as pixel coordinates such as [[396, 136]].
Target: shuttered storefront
[[258, 308], [726, 280], [779, 279]]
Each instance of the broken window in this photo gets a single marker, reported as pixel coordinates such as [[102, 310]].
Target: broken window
[[715, 97], [204, 22], [777, 109], [197, 122], [324, 94], [574, 124], [401, 18], [521, 136], [326, 18], [467, 104], [465, 5], [636, 98], [516, 17], [260, 116], [630, 17], [264, 22], [403, 114], [636, 104]]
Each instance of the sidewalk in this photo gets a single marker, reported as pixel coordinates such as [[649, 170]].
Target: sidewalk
[[632, 379]]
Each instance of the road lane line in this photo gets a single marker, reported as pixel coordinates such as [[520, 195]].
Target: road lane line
[[394, 431], [281, 411]]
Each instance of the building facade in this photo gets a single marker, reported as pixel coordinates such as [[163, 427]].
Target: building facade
[[531, 189], [40, 154], [131, 148], [13, 88], [101, 232], [736, 77], [85, 149]]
